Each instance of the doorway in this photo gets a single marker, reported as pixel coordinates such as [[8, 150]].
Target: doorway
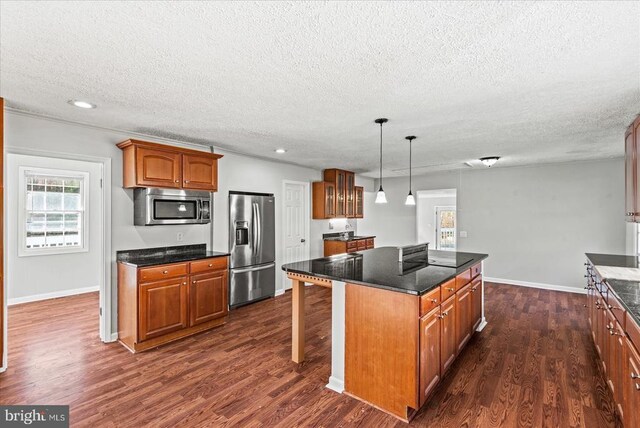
[[56, 227], [436, 218], [295, 225]]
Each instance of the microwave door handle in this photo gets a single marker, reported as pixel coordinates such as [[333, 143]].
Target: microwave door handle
[[199, 210]]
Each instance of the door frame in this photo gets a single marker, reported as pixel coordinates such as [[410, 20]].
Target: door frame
[[286, 285], [106, 333]]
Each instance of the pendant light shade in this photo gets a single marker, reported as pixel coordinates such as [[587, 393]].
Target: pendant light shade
[[410, 199], [381, 198]]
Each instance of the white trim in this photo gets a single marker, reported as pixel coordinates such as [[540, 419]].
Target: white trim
[[307, 219], [279, 292], [53, 295], [336, 385], [540, 285], [106, 332], [114, 337], [338, 302]]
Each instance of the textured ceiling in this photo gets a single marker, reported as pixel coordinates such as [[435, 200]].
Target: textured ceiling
[[529, 81]]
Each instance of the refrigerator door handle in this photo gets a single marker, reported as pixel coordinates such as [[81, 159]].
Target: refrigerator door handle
[[254, 229], [253, 268], [259, 229]]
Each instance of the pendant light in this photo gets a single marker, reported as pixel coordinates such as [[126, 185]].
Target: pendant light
[[410, 199], [381, 198]]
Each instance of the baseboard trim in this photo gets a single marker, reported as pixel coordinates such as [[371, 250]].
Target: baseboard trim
[[54, 295], [336, 385], [540, 285], [279, 292], [114, 338]]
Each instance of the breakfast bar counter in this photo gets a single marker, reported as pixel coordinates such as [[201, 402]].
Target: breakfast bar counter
[[397, 326]]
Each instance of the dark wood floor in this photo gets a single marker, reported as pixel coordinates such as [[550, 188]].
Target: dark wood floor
[[532, 366]]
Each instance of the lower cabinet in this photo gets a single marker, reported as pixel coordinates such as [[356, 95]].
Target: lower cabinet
[[164, 303], [163, 307], [208, 295], [476, 303], [464, 311], [631, 386], [333, 247], [430, 326], [448, 337]]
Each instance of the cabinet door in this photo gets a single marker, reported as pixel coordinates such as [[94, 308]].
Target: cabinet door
[[158, 168], [329, 200], [429, 353], [448, 342], [162, 307], [359, 202], [464, 321], [207, 297], [199, 172], [476, 303], [350, 194], [630, 173], [341, 199], [632, 387]]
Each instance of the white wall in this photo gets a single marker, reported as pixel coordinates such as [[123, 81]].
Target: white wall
[[236, 172], [535, 223]]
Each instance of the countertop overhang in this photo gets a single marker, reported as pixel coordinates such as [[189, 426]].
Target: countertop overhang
[[380, 268], [147, 257]]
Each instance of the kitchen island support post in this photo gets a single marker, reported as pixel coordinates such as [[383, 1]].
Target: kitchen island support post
[[297, 322]]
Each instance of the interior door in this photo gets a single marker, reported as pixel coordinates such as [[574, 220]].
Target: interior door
[[295, 225]]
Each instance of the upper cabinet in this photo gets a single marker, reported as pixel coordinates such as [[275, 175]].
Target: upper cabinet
[[632, 171], [337, 196], [148, 164]]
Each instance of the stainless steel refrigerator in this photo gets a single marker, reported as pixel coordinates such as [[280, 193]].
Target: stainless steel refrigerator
[[252, 244]]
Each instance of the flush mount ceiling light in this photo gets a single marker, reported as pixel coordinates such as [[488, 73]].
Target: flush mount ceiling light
[[281, 151], [410, 199], [82, 104], [489, 161], [381, 198]]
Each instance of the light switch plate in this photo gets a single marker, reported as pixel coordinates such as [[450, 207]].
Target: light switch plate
[[463, 234]]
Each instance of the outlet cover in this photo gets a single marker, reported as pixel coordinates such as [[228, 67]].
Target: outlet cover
[[463, 234], [180, 237]]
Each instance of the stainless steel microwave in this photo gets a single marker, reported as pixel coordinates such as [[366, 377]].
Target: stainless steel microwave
[[168, 206]]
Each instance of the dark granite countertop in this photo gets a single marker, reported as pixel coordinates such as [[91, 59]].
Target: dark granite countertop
[[339, 236], [628, 293], [380, 268], [613, 260], [164, 255]]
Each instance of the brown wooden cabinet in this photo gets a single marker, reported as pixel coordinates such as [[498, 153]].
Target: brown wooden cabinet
[[333, 247], [632, 171], [148, 164], [448, 338], [208, 297], [337, 196], [163, 303], [199, 172], [464, 311], [476, 303], [163, 307], [631, 388], [359, 202], [430, 326], [324, 200]]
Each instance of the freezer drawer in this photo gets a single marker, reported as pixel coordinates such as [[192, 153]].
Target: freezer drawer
[[252, 283]]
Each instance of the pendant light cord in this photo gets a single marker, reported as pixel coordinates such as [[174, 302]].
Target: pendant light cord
[[381, 155], [410, 141]]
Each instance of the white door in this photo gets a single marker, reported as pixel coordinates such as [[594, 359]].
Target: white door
[[446, 228], [54, 227], [295, 222]]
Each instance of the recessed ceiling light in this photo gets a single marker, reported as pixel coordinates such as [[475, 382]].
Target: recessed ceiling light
[[489, 161], [281, 151], [81, 104]]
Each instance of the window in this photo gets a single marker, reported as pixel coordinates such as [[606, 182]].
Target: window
[[53, 211]]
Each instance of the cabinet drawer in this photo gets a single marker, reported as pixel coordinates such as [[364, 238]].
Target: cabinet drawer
[[352, 245], [476, 270], [448, 289], [216, 263], [370, 243], [463, 279], [633, 331], [362, 244], [430, 301], [161, 272], [616, 309]]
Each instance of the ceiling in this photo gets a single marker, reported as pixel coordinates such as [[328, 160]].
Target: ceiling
[[533, 82]]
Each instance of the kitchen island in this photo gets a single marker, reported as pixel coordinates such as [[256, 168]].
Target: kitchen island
[[397, 326]]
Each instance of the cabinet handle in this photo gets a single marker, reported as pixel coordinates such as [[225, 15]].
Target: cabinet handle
[[637, 387], [584, 306], [164, 272], [210, 264], [451, 289], [184, 283], [186, 181], [635, 376], [434, 300], [194, 282], [177, 181]]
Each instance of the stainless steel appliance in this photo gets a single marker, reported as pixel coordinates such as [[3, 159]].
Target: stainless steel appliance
[[170, 206], [252, 245]]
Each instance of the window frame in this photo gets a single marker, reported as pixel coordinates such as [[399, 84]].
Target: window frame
[[23, 251]]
